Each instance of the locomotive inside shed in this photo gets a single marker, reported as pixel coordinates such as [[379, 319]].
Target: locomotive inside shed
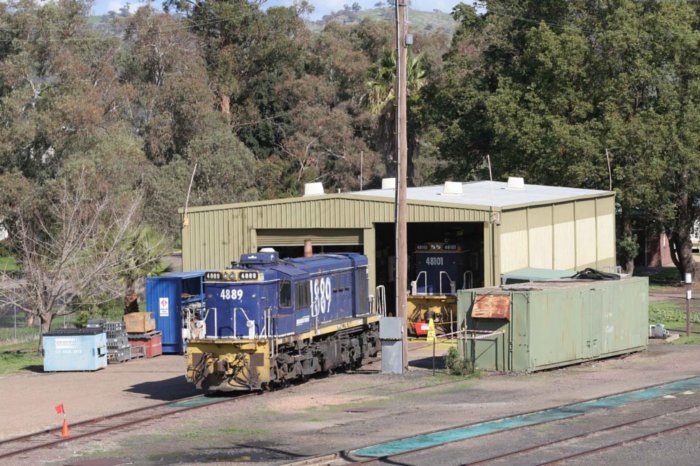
[[468, 238]]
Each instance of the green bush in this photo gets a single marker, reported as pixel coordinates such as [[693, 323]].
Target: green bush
[[456, 365], [627, 249], [112, 311]]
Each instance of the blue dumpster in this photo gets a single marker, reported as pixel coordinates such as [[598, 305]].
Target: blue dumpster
[[75, 349]]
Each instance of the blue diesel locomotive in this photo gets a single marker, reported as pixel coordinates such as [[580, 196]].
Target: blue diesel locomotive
[[269, 321]]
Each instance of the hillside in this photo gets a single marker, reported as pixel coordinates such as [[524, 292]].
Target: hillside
[[419, 21]]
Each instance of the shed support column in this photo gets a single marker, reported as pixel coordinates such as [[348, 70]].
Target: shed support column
[[369, 246], [492, 266]]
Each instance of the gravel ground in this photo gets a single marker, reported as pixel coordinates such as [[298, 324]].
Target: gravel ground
[[321, 416]]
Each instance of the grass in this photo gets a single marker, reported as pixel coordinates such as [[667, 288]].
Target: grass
[[18, 347], [672, 315], [19, 357], [8, 264], [691, 340]]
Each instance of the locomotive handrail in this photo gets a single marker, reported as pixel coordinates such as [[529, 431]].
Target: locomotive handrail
[[380, 303], [415, 283], [247, 319], [452, 283], [216, 322], [464, 279]]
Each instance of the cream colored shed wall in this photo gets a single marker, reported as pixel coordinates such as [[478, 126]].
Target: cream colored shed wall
[[570, 236], [514, 240], [606, 230], [586, 234], [541, 241], [564, 233]]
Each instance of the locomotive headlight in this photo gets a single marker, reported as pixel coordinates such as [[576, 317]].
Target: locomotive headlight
[[228, 275]]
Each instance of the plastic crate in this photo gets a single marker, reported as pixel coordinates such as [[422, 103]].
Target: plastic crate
[[118, 342], [118, 355], [96, 323], [114, 326]]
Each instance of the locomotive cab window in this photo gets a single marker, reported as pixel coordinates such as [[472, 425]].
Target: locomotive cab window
[[285, 293], [302, 297]]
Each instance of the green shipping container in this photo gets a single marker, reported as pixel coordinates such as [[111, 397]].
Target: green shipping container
[[535, 326]]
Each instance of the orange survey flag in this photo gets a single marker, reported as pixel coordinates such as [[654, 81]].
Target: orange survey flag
[[59, 409]]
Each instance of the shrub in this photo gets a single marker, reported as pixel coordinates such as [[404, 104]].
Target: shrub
[[456, 365]]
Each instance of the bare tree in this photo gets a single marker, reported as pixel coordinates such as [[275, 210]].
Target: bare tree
[[74, 250]]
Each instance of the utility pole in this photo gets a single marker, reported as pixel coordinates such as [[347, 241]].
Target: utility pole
[[402, 170]]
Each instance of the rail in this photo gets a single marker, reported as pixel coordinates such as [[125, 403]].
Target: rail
[[464, 280], [47, 438]]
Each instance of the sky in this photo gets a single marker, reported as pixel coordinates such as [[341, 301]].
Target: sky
[[321, 7]]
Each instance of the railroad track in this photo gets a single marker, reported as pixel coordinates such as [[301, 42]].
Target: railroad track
[[104, 424], [585, 435], [113, 422], [579, 444], [345, 459]]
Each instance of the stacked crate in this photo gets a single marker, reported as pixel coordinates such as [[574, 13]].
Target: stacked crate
[[118, 348], [143, 337]]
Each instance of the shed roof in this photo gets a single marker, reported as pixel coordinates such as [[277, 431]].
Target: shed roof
[[477, 195], [491, 194]]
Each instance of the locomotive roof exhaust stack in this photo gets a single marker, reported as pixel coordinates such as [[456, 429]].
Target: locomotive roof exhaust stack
[[313, 189], [308, 248]]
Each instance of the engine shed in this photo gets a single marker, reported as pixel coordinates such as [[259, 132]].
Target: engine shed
[[498, 227]]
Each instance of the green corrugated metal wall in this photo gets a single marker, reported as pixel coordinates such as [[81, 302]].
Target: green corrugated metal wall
[[217, 235]]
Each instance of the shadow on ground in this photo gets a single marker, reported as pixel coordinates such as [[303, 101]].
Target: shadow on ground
[[427, 363], [170, 389]]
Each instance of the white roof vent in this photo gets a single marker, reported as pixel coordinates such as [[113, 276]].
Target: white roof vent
[[313, 189], [388, 183], [515, 182], [452, 188]]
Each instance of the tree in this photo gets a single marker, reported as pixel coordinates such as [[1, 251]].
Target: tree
[[552, 89], [381, 99], [73, 249]]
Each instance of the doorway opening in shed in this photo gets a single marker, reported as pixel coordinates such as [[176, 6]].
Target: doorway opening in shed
[[298, 251], [443, 257], [289, 242]]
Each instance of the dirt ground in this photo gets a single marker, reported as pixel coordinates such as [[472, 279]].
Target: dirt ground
[[321, 416]]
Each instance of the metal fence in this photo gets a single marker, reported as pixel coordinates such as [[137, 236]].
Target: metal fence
[[14, 328]]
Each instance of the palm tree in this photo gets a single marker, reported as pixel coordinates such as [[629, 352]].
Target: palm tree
[[381, 97]]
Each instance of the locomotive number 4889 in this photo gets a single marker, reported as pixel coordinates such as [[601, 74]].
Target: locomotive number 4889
[[231, 293]]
